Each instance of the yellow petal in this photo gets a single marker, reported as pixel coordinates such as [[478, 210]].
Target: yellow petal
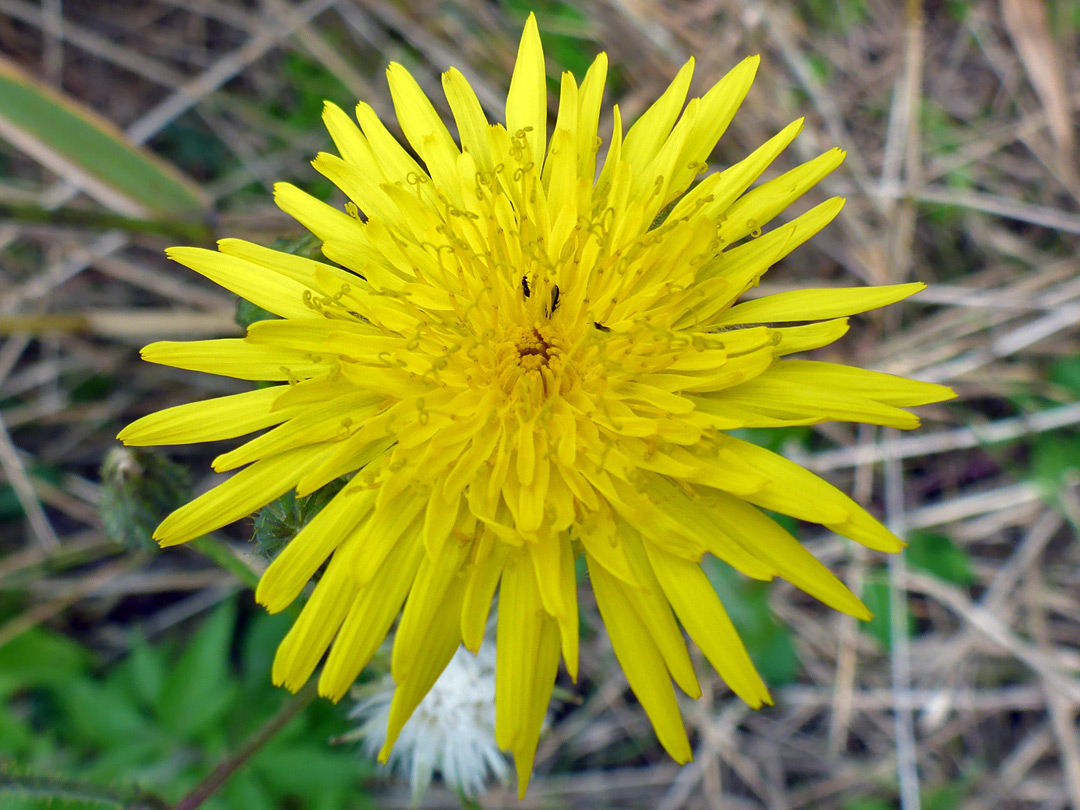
[[762, 536], [701, 613], [812, 305], [526, 101], [562, 156], [369, 619], [654, 610], [785, 238], [297, 563], [792, 490], [361, 185], [527, 657], [718, 107], [298, 268], [886, 388], [330, 421], [350, 142], [303, 646], [236, 498], [590, 97], [427, 636], [472, 124], [597, 532], [396, 164], [641, 662], [794, 339], [713, 195], [698, 515], [261, 286], [484, 571], [421, 125], [570, 620], [606, 181], [323, 220], [774, 400], [209, 420], [645, 137], [757, 208], [382, 530], [234, 357]]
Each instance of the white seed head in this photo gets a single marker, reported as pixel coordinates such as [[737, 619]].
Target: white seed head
[[452, 731]]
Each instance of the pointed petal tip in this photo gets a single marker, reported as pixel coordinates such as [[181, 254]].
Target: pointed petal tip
[[682, 757], [471, 640], [332, 691], [384, 753], [164, 541], [261, 595], [269, 598], [523, 764], [572, 671]]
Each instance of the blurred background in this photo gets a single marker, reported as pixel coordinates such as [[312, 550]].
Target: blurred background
[[126, 127]]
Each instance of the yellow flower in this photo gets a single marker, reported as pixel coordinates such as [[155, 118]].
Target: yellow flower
[[519, 362]]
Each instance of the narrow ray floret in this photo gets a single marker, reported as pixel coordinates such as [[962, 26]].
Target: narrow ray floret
[[518, 360]]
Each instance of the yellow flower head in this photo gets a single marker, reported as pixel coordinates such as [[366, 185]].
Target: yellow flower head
[[519, 361]]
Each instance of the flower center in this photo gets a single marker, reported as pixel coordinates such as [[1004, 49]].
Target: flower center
[[531, 363], [533, 348]]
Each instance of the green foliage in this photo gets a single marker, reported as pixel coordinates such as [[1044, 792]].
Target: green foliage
[[139, 488], [946, 796], [10, 507], [306, 84], [868, 803], [279, 522], [93, 388], [775, 439], [876, 596], [958, 9], [189, 143], [71, 138], [307, 246], [938, 555], [819, 66], [834, 16], [1064, 17], [162, 718], [1054, 456], [248, 313], [559, 23], [932, 552], [746, 601], [1066, 373]]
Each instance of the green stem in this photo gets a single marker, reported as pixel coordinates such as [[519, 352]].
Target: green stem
[[217, 777], [103, 220], [221, 554], [468, 803], [57, 787]]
